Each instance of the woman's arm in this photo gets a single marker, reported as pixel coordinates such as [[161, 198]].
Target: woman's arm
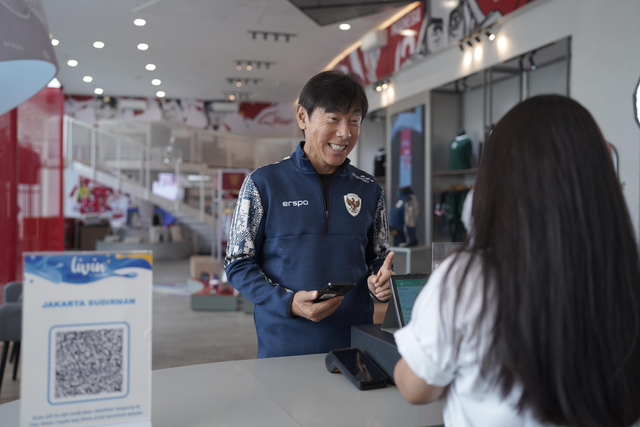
[[413, 388]]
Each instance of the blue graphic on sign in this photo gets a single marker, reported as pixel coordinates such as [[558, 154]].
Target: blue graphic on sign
[[81, 269]]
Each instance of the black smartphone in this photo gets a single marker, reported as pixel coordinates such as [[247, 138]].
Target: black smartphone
[[357, 367], [334, 289]]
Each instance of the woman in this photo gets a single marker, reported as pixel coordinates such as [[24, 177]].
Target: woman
[[536, 320]]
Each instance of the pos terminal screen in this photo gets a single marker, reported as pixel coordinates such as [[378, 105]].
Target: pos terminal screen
[[406, 291]]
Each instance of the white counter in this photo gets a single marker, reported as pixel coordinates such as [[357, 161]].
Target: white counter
[[280, 392]]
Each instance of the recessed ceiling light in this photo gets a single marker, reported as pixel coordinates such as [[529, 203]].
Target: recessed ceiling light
[[156, 82], [150, 67], [72, 63], [87, 79], [143, 46], [98, 91], [55, 42], [139, 22], [345, 27], [232, 97], [54, 83], [160, 94], [98, 45], [408, 32]]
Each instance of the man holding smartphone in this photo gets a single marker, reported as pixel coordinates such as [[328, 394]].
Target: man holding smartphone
[[308, 220]]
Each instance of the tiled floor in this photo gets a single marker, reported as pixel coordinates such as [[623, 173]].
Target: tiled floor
[[184, 337]]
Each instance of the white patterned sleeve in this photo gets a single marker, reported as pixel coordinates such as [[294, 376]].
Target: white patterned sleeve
[[379, 237], [245, 224]]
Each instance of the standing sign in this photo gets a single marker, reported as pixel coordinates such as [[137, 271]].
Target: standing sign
[[86, 339]]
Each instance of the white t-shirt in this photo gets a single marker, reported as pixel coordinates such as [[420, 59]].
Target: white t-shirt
[[426, 345]]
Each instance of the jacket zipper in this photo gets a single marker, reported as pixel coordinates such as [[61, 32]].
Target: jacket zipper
[[328, 202]]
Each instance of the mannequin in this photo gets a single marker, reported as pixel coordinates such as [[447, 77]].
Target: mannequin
[[403, 218], [460, 152]]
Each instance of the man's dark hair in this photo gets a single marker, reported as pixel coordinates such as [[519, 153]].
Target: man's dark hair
[[561, 284], [334, 90]]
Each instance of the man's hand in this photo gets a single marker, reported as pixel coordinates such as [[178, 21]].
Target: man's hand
[[303, 306], [379, 283]]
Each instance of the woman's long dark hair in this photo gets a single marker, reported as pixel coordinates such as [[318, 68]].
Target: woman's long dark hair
[[560, 265]]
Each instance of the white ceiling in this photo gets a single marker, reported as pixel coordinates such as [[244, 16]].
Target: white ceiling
[[194, 44]]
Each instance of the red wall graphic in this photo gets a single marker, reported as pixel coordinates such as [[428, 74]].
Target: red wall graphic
[[435, 24]]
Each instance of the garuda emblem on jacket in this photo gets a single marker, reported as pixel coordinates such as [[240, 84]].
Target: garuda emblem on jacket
[[353, 203]]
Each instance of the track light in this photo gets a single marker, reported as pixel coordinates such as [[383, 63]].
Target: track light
[[239, 66], [276, 36], [461, 47], [385, 85], [379, 88], [533, 64], [465, 85], [491, 36], [249, 66], [469, 43], [477, 38]]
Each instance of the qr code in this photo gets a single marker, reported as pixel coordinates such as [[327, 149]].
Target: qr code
[[89, 362]]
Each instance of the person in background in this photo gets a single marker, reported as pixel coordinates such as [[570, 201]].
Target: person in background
[[310, 219], [536, 319]]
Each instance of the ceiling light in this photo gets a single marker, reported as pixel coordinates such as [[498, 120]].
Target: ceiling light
[[139, 22], [462, 47], [238, 83], [72, 63], [408, 32], [160, 94], [469, 43], [98, 45], [87, 79], [98, 91], [378, 88], [143, 46], [239, 66], [345, 27], [249, 67], [150, 67], [491, 36], [477, 38], [232, 97], [384, 85], [156, 82], [533, 64], [55, 83], [55, 42]]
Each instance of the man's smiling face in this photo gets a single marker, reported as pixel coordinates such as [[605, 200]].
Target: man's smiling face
[[329, 136]]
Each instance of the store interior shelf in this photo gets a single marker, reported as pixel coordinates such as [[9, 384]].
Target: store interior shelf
[[456, 172]]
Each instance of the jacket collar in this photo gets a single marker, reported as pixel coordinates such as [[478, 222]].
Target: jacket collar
[[302, 162]]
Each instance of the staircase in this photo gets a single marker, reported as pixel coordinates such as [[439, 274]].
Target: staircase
[[122, 164]]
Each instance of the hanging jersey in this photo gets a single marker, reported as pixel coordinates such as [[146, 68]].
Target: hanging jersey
[[460, 153]]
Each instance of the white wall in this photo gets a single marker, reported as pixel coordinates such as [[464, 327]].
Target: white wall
[[605, 68]]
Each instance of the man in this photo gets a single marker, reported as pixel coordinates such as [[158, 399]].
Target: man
[[308, 220]]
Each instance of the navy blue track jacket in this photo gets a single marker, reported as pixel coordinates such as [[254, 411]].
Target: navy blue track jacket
[[282, 241]]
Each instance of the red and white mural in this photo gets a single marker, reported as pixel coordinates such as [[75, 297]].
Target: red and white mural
[[263, 118], [430, 27]]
